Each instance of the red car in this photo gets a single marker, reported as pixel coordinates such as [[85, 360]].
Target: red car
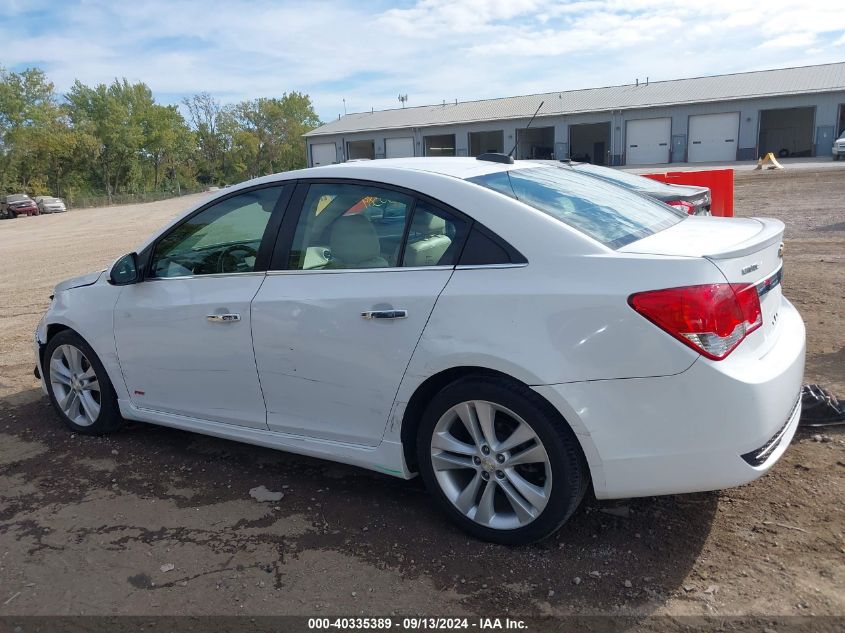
[[18, 204]]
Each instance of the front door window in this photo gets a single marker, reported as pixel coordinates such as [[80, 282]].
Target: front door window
[[224, 238]]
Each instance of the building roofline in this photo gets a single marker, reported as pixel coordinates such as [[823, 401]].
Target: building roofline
[[317, 132], [549, 92]]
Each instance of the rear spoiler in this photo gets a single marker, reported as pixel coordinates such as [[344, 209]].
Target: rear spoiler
[[770, 233]]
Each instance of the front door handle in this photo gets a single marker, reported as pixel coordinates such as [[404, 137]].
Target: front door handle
[[385, 314], [223, 318]]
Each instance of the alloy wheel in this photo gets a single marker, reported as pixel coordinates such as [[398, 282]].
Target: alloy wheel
[[75, 385], [491, 464]]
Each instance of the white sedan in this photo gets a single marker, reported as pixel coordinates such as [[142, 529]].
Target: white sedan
[[514, 333]]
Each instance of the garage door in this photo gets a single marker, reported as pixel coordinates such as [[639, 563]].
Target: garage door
[[398, 147], [647, 141], [323, 154], [712, 137]]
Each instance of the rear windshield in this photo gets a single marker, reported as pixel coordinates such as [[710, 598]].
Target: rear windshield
[[623, 179], [606, 212]]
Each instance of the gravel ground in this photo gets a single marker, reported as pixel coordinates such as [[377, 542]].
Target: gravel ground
[[157, 521]]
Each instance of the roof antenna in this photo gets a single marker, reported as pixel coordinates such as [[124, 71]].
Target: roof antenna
[[516, 142]]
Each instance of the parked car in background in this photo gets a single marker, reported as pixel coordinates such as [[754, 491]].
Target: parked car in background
[[17, 204], [839, 147], [530, 330], [689, 199], [48, 204]]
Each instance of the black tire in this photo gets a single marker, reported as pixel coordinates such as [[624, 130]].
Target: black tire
[[836, 157], [783, 153], [12, 214], [570, 473], [108, 420]]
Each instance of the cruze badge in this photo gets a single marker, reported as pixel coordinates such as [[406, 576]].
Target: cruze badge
[[750, 268]]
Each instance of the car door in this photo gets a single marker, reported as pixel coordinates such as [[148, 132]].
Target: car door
[[338, 317], [183, 334]]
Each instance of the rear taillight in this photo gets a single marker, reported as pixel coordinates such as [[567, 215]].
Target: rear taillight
[[683, 205], [711, 319]]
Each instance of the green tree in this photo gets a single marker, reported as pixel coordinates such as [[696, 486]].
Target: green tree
[[167, 138], [206, 117], [27, 107], [115, 115], [115, 138], [268, 133]]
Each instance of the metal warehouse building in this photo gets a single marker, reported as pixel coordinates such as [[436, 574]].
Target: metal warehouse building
[[790, 111]]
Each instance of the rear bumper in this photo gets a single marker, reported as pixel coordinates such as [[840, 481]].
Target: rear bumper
[[716, 425]]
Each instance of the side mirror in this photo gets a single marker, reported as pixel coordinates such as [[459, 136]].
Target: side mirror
[[125, 270]]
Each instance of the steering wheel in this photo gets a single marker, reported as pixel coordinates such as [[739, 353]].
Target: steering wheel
[[235, 256]]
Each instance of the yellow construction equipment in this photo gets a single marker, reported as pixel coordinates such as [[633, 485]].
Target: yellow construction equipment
[[768, 158]]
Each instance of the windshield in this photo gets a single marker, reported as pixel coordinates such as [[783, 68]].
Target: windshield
[[623, 179], [607, 213]]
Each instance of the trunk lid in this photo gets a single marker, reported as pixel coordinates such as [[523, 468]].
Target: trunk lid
[[745, 250]]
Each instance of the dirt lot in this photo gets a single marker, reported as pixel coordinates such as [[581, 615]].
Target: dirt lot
[[88, 526]]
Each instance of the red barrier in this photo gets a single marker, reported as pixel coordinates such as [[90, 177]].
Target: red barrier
[[720, 181]]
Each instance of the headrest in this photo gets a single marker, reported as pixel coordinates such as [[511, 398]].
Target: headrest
[[428, 223], [353, 239]]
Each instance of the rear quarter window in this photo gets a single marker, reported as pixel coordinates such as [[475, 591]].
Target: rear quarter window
[[606, 212]]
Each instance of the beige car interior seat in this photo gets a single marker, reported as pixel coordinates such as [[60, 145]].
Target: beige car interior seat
[[354, 243], [430, 249]]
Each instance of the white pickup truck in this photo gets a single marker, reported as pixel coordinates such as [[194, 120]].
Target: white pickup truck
[[839, 147]]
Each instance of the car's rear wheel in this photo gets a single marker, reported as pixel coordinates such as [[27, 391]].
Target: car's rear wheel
[[78, 386], [501, 463]]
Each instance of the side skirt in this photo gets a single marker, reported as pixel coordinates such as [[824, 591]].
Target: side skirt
[[387, 458]]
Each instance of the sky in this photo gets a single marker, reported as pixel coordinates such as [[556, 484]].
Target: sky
[[369, 52]]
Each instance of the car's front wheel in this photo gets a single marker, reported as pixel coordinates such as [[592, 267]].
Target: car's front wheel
[[501, 463], [78, 386]]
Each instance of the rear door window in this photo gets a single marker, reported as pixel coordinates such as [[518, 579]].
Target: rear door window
[[434, 237], [607, 213], [349, 226]]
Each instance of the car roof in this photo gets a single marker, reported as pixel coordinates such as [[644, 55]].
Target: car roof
[[457, 167]]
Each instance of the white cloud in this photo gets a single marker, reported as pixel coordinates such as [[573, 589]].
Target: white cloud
[[432, 49], [790, 40]]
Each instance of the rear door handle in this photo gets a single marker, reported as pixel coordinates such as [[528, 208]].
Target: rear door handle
[[223, 318], [385, 314]]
